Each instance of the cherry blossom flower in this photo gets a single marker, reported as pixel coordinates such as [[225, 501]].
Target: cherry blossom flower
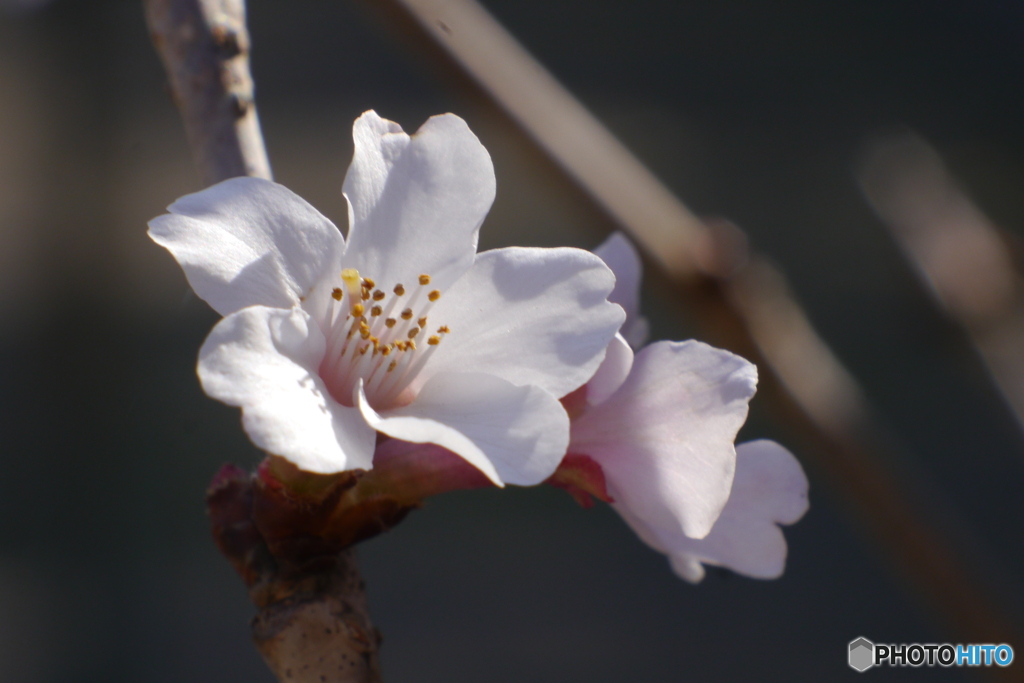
[[653, 435], [403, 329]]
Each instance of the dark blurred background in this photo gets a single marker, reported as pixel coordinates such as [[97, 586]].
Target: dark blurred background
[[755, 110]]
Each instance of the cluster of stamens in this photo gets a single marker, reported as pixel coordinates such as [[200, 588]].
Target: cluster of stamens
[[373, 335]]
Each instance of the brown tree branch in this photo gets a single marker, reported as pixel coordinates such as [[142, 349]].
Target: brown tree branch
[[321, 634], [313, 624], [290, 538]]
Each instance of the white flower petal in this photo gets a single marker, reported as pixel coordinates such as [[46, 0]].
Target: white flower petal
[[687, 567], [770, 488], [530, 316], [665, 438], [416, 203], [265, 361], [514, 435], [613, 371], [621, 256], [249, 242]]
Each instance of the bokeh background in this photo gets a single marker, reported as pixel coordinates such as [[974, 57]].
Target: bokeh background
[[756, 110]]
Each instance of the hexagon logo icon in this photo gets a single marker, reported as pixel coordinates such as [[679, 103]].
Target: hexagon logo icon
[[862, 654]]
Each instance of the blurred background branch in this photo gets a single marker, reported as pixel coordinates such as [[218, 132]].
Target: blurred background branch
[[972, 267]]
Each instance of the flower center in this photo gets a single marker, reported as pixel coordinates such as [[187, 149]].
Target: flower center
[[378, 337]]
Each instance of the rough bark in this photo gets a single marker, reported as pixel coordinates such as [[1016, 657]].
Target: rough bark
[[204, 46], [292, 547], [321, 634]]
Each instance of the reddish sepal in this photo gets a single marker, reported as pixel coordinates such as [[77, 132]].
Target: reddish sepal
[[582, 478], [229, 505]]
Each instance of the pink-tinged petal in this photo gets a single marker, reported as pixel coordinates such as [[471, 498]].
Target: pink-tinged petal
[[416, 203], [264, 361], [414, 471], [530, 316], [613, 371], [769, 489], [249, 242], [621, 256], [665, 438], [514, 435]]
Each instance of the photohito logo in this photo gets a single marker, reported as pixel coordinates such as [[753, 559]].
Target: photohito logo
[[863, 654]]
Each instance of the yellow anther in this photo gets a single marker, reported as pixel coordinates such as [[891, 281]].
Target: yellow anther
[[435, 295], [386, 351], [358, 310], [424, 279], [365, 334], [362, 351], [376, 310], [390, 322], [365, 294], [444, 329], [363, 325], [412, 345], [401, 345], [350, 276], [399, 290], [407, 314], [392, 365], [336, 293], [379, 295], [434, 340], [422, 322], [367, 282], [413, 332]]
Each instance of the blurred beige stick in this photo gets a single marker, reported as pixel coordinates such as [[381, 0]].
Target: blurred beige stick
[[958, 251], [609, 172], [742, 304]]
